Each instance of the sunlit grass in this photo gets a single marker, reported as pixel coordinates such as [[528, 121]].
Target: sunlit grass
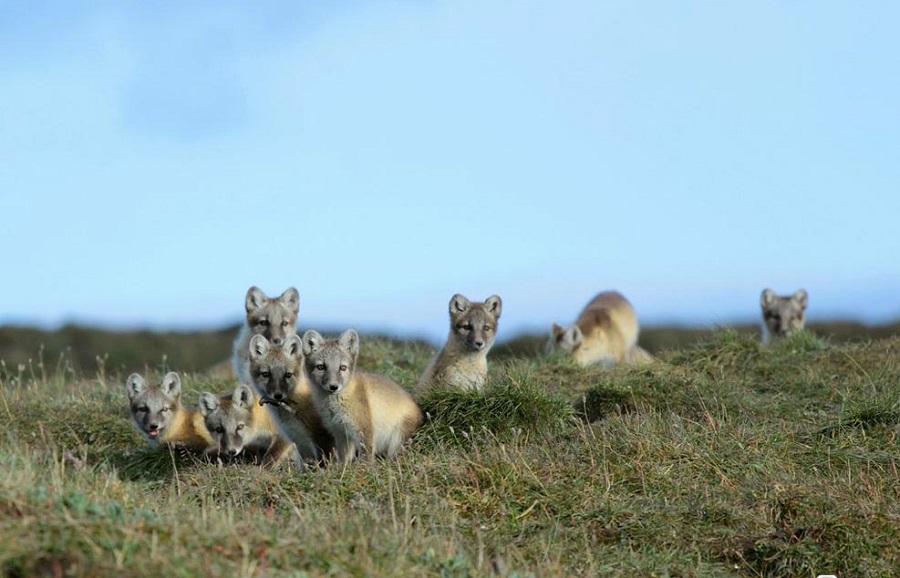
[[723, 459]]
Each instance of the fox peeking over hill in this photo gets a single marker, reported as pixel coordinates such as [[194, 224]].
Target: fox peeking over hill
[[782, 316], [463, 360]]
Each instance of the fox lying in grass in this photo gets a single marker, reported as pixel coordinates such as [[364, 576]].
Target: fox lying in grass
[[158, 414], [241, 427], [605, 333]]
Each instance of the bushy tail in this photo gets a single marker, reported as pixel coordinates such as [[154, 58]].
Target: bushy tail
[[637, 355]]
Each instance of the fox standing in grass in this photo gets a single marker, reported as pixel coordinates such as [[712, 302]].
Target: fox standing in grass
[[275, 319], [605, 333], [159, 415], [463, 360], [239, 426], [365, 412], [782, 316], [277, 374]]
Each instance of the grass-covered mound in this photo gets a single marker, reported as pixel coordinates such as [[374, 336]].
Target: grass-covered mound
[[723, 458]]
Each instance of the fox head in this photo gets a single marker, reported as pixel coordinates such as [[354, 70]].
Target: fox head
[[570, 341], [784, 316], [229, 419], [153, 407], [275, 369], [275, 319], [473, 326], [330, 363], [566, 339]]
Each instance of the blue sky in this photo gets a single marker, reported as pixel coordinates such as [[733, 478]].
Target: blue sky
[[158, 159]]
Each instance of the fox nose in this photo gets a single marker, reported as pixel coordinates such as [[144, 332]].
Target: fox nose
[[333, 387], [278, 396], [277, 341], [479, 344], [153, 426], [232, 452]]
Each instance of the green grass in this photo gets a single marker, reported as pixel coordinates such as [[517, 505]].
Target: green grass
[[722, 459]]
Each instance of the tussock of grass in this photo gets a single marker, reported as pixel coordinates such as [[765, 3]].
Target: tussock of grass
[[511, 405]]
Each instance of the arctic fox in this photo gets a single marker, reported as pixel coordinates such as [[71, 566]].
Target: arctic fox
[[240, 426], [277, 374], [275, 319], [782, 316], [463, 360], [158, 414], [605, 333], [366, 413]]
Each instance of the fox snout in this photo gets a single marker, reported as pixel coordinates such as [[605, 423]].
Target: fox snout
[[333, 387], [275, 334]]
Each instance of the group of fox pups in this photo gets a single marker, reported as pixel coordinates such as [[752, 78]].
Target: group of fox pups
[[302, 398]]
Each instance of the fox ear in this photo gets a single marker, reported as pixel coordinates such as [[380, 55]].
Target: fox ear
[[259, 347], [801, 298], [171, 385], [208, 403], [312, 342], [767, 298], [292, 346], [134, 385], [494, 305], [291, 298], [349, 341], [557, 330], [458, 304], [255, 299], [243, 396]]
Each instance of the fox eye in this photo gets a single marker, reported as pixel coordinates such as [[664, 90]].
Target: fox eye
[[240, 426], [265, 374], [143, 409], [264, 322], [343, 368], [220, 429], [288, 375], [164, 409], [320, 367], [488, 328], [284, 323]]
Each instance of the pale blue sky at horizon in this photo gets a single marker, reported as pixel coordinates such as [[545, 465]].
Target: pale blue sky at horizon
[[158, 159]]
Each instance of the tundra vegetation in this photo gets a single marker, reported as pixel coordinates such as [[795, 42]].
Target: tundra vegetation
[[723, 459]]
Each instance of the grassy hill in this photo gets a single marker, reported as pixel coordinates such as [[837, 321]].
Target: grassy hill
[[722, 459]]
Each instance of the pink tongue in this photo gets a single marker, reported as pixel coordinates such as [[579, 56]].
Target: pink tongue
[[154, 433]]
